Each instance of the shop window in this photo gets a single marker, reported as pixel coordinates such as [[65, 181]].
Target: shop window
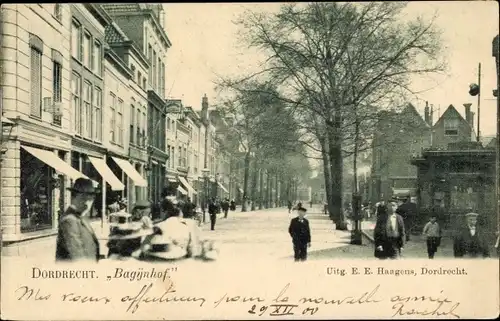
[[38, 180]]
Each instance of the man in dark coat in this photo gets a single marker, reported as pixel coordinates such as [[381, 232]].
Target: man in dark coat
[[301, 235], [469, 240], [389, 233], [212, 211], [76, 239], [408, 211]]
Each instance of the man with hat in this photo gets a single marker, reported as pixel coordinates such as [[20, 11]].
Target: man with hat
[[76, 239], [408, 211], [301, 234], [469, 240]]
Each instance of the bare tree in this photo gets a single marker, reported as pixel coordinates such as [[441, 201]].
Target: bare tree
[[343, 59]]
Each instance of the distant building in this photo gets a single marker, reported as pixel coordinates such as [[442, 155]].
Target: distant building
[[398, 137], [451, 127]]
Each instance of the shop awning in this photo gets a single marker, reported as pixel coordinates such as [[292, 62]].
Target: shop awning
[[241, 190], [186, 184], [54, 161], [222, 186], [183, 191], [106, 173], [131, 172]]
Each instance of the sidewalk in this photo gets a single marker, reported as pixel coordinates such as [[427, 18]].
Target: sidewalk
[[45, 247]]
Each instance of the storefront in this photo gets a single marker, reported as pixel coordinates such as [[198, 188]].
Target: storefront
[[42, 187], [452, 183]]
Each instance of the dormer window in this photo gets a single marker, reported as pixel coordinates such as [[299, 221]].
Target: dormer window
[[451, 126]]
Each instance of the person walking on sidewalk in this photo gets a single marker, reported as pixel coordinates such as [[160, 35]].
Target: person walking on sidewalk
[[301, 235], [290, 207], [432, 234], [212, 211], [76, 239]]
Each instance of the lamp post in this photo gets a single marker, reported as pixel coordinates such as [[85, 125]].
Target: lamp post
[[205, 172], [496, 54]]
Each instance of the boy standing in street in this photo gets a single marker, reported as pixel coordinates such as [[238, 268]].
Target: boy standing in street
[[301, 235], [432, 232]]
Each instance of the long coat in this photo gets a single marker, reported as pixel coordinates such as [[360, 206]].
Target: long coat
[[76, 239], [464, 244], [300, 232], [381, 239]]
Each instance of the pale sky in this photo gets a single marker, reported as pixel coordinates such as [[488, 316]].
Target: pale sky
[[204, 45]]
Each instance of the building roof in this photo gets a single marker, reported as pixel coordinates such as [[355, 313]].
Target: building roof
[[113, 34], [410, 109]]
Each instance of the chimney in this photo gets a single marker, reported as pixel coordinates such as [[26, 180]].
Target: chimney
[[427, 115], [204, 107], [468, 113], [431, 116], [471, 119]]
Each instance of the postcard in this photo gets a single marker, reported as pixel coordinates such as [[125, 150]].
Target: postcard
[[193, 161]]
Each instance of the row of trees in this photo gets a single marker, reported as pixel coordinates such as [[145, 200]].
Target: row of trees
[[330, 69], [265, 135]]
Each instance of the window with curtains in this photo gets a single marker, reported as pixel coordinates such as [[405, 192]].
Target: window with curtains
[[158, 73], [58, 11], [97, 58], [132, 124], [150, 59], [75, 101], [144, 126], [139, 138], [36, 82], [173, 157], [154, 80], [56, 89], [119, 122], [112, 118], [162, 82], [179, 152], [97, 115], [87, 49], [76, 39], [451, 126], [87, 110]]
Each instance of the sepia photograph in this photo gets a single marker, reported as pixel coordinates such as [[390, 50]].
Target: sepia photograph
[[250, 160]]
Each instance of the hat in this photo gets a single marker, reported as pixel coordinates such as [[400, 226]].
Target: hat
[[128, 231], [471, 215], [162, 246], [83, 186], [302, 209], [142, 204]]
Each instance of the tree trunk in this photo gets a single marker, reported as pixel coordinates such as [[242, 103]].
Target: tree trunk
[[269, 190], [261, 188], [276, 184], [254, 185], [336, 165], [245, 182]]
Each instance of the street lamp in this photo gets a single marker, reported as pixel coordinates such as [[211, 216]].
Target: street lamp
[[205, 172]]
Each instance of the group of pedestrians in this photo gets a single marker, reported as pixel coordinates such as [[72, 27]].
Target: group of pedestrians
[[174, 236], [391, 233]]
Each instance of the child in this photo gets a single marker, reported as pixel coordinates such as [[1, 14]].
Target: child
[[432, 232], [301, 235]]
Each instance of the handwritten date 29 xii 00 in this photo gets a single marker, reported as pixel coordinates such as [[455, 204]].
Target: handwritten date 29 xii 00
[[281, 309]]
